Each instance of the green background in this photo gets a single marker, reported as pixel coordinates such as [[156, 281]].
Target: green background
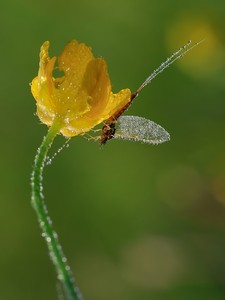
[[136, 222]]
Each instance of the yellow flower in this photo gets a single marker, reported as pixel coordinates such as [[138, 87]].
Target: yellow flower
[[82, 98]]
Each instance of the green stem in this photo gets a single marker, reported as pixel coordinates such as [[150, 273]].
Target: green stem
[[55, 249]]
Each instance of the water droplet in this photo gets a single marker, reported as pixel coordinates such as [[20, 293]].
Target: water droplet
[[55, 235], [67, 268], [48, 239], [49, 161], [49, 220], [64, 259], [60, 277]]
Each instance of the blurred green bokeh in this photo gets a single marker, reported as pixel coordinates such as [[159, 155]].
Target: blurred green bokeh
[[136, 221]]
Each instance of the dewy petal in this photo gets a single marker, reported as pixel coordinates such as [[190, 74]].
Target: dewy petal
[[85, 123], [117, 102], [73, 62], [41, 86], [97, 84], [82, 98]]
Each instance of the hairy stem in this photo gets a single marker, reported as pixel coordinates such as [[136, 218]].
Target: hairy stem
[[55, 250]]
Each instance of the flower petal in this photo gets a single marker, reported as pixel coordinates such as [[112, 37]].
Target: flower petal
[[97, 84], [86, 122], [42, 86], [117, 102], [70, 93], [73, 62]]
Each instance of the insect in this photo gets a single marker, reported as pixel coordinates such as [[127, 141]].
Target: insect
[[131, 127]]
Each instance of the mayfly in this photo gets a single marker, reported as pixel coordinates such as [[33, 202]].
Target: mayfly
[[136, 128]]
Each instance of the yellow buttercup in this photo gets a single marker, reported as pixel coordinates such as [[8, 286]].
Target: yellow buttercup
[[82, 98]]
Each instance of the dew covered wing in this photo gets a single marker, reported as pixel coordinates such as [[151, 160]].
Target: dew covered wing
[[139, 129]]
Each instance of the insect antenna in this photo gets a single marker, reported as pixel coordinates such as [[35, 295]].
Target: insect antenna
[[170, 60]]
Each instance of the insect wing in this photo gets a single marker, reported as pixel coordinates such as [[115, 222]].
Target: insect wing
[[139, 129]]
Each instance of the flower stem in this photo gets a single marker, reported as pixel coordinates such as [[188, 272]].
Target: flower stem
[[55, 250]]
